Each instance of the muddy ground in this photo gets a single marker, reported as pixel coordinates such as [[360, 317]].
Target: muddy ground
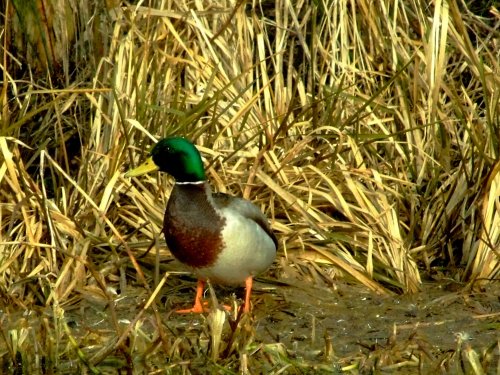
[[295, 328]]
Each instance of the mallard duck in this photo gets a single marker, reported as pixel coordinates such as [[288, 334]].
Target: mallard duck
[[221, 238]]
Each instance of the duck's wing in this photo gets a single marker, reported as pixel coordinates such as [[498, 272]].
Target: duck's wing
[[245, 208]]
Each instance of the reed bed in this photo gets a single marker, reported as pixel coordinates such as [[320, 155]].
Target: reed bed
[[368, 132]]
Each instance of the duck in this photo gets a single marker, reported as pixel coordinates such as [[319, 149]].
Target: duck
[[221, 238]]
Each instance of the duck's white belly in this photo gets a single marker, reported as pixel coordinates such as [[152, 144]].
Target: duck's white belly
[[248, 251]]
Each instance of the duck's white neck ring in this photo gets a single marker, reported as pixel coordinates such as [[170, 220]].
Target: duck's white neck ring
[[189, 182]]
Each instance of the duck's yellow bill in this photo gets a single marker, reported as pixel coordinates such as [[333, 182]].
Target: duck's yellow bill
[[146, 167]]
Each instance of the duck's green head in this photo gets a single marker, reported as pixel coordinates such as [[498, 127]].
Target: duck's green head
[[176, 156]]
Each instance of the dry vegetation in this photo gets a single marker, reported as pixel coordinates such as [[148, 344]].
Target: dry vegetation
[[367, 131]]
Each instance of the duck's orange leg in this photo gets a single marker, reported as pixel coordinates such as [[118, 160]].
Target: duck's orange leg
[[248, 293], [198, 305]]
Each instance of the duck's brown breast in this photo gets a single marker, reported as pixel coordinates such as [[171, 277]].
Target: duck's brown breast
[[192, 226]]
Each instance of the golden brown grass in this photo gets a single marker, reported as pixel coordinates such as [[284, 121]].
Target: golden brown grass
[[367, 131]]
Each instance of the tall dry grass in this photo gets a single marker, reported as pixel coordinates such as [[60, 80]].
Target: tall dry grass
[[367, 131]]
